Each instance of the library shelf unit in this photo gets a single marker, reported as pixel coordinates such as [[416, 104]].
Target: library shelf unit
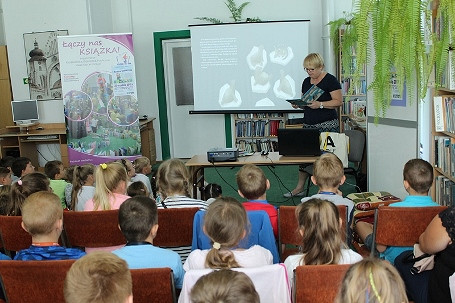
[[443, 156], [257, 132], [353, 109]]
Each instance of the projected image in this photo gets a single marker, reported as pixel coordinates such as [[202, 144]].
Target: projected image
[[229, 96], [257, 58], [281, 55], [260, 81], [77, 105], [284, 88], [264, 102]]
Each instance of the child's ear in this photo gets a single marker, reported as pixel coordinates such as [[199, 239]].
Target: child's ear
[[343, 179], [341, 222], [240, 193], [23, 226], [406, 185], [154, 230], [313, 179], [119, 227], [301, 231], [267, 182], [244, 234]]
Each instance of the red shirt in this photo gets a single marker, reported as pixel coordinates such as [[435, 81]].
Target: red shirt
[[268, 208]]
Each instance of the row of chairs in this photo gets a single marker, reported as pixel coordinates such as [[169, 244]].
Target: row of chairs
[[42, 282]]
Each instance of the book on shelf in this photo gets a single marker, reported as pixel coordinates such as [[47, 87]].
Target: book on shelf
[[359, 108], [444, 118]]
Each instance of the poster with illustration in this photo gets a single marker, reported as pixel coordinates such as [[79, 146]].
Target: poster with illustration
[[99, 97]]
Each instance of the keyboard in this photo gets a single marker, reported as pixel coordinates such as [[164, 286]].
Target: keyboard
[[43, 137]]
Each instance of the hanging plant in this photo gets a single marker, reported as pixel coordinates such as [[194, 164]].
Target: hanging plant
[[236, 13], [398, 45]]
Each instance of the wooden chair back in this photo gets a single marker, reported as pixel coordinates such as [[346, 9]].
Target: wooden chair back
[[92, 228], [401, 226], [288, 235], [34, 281], [175, 227], [318, 283], [14, 237], [152, 285]]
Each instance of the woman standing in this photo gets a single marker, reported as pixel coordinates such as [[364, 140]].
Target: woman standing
[[321, 113]]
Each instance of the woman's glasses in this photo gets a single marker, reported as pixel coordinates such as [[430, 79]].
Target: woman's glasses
[[309, 69]]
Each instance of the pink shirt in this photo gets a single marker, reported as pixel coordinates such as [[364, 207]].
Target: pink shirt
[[115, 200]]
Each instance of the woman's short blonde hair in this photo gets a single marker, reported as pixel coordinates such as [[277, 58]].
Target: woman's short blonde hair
[[313, 60]]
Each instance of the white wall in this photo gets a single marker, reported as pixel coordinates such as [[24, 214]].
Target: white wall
[[142, 17]]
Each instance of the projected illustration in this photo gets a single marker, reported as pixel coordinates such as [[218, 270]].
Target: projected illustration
[[284, 88], [264, 102], [260, 81], [229, 96], [281, 55], [257, 57]]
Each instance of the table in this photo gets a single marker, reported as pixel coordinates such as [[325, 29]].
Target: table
[[197, 164]]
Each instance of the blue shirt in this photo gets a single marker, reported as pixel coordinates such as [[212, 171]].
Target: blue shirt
[[149, 256], [40, 253], [392, 252]]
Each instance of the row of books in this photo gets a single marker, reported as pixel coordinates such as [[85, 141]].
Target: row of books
[[257, 145], [448, 77], [355, 107], [444, 154], [349, 87], [445, 191], [444, 118], [260, 116], [353, 66], [258, 128]]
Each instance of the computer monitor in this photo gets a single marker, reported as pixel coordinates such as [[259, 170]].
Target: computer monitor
[[25, 111]]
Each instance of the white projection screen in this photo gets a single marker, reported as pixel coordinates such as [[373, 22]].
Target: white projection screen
[[248, 67]]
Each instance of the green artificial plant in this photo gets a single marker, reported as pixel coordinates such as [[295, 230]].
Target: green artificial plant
[[236, 13], [404, 44]]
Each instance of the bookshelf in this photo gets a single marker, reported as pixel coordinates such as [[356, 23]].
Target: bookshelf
[[353, 110], [257, 132], [443, 133]]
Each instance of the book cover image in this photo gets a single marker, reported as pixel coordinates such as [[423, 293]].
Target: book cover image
[[310, 95]]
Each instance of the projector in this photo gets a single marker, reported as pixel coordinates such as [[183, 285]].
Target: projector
[[218, 154]]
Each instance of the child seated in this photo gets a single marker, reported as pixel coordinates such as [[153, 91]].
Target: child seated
[[143, 168], [5, 176], [42, 218], [83, 188], [321, 242], [328, 175], [417, 181], [253, 185], [24, 187], [226, 224], [138, 221], [22, 166], [137, 188], [224, 286], [98, 277], [56, 172]]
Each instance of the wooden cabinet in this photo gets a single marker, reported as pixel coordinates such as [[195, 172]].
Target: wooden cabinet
[[353, 110], [258, 131], [148, 147], [6, 117]]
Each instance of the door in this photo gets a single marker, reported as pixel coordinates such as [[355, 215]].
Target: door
[[189, 134]]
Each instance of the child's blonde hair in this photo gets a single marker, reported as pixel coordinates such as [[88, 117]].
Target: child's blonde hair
[[80, 175], [40, 212], [226, 286], [372, 280], [328, 170], [226, 224], [108, 177], [140, 163], [319, 221], [172, 177], [251, 181]]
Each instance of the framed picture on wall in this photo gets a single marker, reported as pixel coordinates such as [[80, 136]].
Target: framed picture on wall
[[43, 65]]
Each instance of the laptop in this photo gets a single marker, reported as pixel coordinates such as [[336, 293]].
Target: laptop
[[298, 142]]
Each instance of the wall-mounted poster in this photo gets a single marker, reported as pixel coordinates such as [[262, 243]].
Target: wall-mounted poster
[[99, 97], [43, 64]]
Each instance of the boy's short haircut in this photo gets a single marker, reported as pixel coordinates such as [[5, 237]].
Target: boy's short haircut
[[98, 277], [19, 165], [251, 181], [137, 188], [419, 174], [136, 218], [40, 212], [52, 168], [328, 170], [4, 172], [7, 161]]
